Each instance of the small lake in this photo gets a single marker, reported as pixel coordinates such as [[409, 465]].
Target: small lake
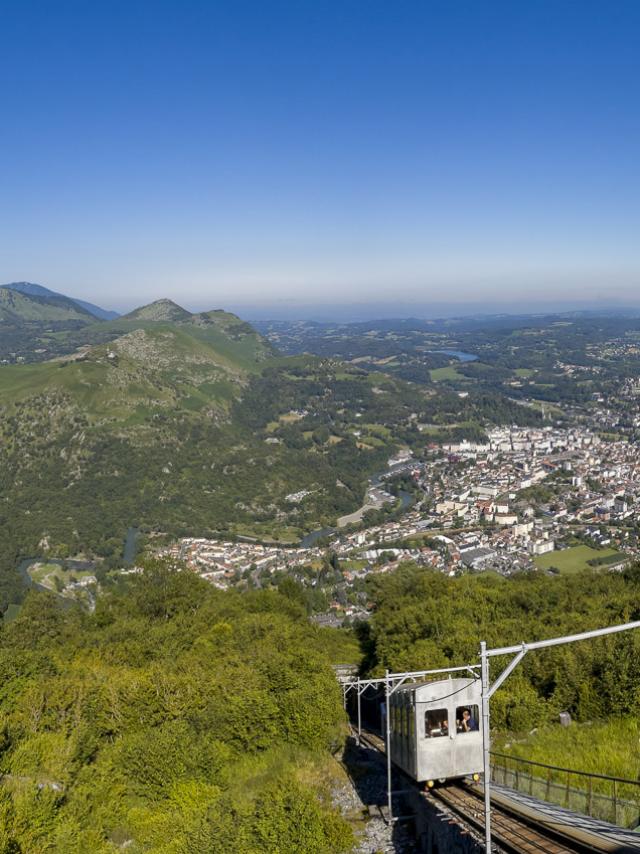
[[459, 354]]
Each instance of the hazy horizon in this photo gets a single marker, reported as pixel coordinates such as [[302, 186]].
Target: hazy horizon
[[345, 310]]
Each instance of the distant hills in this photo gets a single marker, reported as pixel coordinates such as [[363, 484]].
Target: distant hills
[[18, 308], [158, 358], [165, 420], [47, 299]]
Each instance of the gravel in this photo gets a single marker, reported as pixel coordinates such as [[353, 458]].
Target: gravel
[[361, 799]]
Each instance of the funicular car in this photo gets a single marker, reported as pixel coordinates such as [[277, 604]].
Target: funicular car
[[435, 729]]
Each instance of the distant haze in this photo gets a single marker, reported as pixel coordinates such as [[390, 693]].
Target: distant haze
[[353, 312]]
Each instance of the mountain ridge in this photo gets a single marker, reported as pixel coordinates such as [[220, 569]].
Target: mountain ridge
[[19, 308], [31, 289]]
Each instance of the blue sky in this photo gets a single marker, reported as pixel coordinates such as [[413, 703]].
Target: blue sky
[[232, 153]]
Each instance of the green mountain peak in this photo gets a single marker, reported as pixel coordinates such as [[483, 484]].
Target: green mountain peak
[[161, 310]]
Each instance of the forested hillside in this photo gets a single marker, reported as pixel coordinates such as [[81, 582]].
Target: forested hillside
[[176, 719], [423, 620], [179, 719], [190, 424], [33, 324]]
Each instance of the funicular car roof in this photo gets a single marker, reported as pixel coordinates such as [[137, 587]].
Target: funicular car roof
[[440, 688]]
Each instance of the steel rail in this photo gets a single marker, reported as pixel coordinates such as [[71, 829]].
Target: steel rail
[[512, 833], [520, 830]]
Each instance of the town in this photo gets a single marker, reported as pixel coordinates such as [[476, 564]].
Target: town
[[549, 499]]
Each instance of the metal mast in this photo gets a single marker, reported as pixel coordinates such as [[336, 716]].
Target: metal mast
[[488, 690]]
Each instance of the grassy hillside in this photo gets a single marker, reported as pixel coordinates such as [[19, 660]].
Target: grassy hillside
[[160, 310], [31, 289], [150, 366], [226, 333], [598, 748], [35, 326], [181, 427], [16, 307]]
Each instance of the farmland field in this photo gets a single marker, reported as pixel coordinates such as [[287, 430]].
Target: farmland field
[[448, 373], [574, 559]]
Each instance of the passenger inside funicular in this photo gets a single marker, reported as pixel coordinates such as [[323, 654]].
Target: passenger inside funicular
[[436, 723], [467, 719]]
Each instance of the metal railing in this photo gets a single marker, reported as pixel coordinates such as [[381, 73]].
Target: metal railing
[[611, 799]]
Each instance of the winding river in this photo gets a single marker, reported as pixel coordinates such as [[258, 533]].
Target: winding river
[[310, 539]]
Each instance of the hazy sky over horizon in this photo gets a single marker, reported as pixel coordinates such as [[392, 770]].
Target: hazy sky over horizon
[[247, 152]]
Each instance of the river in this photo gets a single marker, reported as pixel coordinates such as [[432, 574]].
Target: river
[[310, 539], [23, 571], [27, 580], [130, 545]]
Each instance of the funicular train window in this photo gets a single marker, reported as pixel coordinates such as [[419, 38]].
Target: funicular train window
[[436, 723], [467, 719], [403, 721]]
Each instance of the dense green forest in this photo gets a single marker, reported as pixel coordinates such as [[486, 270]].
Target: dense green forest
[[424, 619], [176, 719], [179, 718]]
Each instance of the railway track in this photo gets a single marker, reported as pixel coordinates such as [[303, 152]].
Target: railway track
[[511, 833], [516, 828], [369, 739]]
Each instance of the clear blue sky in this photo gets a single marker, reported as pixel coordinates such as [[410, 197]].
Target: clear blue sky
[[230, 152]]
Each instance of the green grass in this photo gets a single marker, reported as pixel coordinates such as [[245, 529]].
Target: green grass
[[602, 747], [612, 437], [372, 442], [44, 573], [176, 364], [573, 560], [15, 304], [375, 430], [448, 373], [524, 372], [267, 532], [551, 409], [354, 564]]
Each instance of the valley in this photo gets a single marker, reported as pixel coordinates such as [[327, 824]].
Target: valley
[[196, 426]]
